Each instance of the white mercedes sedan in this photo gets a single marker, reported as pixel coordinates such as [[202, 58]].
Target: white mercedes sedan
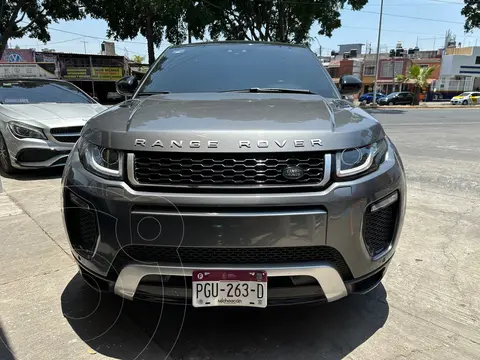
[[40, 121]]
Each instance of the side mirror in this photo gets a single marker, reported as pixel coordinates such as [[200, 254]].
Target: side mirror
[[350, 85], [96, 99], [127, 85]]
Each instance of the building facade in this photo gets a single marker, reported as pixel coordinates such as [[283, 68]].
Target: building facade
[[338, 68], [93, 73], [459, 72]]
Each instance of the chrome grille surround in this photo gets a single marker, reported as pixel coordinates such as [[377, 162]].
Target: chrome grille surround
[[316, 166]]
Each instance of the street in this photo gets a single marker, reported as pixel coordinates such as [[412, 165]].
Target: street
[[427, 307]]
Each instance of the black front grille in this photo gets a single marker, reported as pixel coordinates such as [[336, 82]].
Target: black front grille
[[236, 170], [66, 134], [81, 223], [230, 256], [380, 228], [38, 155]]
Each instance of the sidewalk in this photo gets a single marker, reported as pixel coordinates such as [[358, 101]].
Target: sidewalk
[[46, 310], [423, 105]]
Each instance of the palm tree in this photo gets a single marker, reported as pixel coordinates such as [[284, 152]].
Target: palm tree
[[138, 59], [400, 79], [420, 76]]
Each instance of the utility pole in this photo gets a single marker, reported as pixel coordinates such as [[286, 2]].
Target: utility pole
[[319, 47], [377, 60], [84, 45], [393, 75], [91, 76]]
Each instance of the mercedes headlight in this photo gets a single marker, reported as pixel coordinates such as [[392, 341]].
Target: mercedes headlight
[[104, 162], [360, 161], [25, 131]]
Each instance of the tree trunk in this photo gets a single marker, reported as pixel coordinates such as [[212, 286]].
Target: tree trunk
[[150, 47], [3, 45], [281, 20], [416, 99], [189, 35]]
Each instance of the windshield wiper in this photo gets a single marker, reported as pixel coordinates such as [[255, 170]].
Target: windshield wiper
[[153, 93], [277, 90]]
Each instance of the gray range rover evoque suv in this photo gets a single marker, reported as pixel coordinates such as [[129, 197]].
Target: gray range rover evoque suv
[[235, 175]]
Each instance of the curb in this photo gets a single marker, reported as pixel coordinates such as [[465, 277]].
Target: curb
[[421, 107]]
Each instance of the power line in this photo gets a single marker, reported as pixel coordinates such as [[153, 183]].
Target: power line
[[409, 17], [387, 30], [376, 12], [91, 37], [52, 43], [422, 4], [448, 2]]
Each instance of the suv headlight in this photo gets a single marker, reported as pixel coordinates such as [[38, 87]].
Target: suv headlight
[[360, 161], [106, 163], [25, 131]]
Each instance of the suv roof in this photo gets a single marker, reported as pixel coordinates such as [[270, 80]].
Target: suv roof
[[238, 42]]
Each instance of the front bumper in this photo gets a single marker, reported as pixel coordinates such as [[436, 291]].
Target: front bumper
[[37, 153], [458, 101], [147, 243]]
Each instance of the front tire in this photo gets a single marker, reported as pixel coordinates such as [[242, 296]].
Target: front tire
[[5, 163], [390, 103], [465, 102]]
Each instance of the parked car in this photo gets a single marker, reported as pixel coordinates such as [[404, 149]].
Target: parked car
[[40, 120], [368, 97], [253, 187], [466, 98], [397, 98]]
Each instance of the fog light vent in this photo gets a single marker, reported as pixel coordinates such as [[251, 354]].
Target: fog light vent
[[380, 223], [81, 224]]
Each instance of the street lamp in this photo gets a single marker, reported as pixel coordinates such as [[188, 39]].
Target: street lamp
[[310, 38], [377, 55]]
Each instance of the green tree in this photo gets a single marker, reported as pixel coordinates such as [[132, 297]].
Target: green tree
[[471, 11], [138, 59], [420, 76], [126, 19], [32, 17], [274, 20], [154, 19]]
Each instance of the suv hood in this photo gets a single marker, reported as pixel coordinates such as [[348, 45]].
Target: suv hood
[[218, 122]]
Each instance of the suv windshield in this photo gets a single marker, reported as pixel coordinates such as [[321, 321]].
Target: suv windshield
[[237, 66], [40, 91]]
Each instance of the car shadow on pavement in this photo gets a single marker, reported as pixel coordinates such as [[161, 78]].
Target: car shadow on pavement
[[385, 111], [326, 331], [34, 174], [6, 351]]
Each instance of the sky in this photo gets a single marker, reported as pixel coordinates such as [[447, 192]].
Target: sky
[[401, 22]]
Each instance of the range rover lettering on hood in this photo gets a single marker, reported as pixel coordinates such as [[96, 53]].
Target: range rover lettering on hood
[[213, 144]]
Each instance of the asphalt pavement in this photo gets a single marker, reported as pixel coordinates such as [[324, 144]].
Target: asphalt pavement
[[426, 308]]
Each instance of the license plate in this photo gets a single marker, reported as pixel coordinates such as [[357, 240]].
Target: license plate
[[229, 288]]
